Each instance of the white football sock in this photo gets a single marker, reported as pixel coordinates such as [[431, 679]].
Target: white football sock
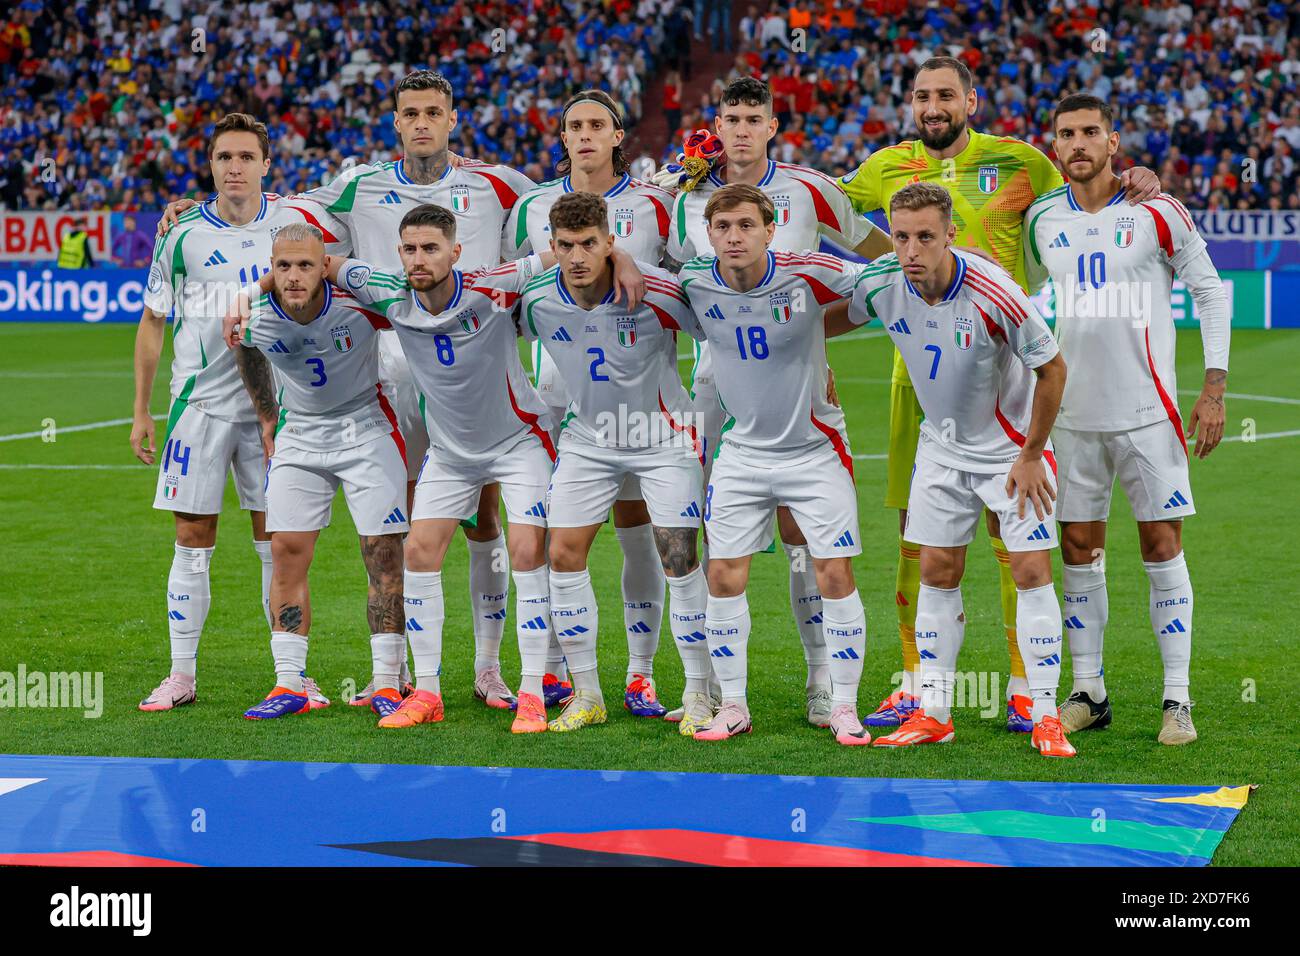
[[489, 584], [422, 598], [532, 626], [688, 596], [643, 597], [1087, 607], [806, 605], [263, 549], [188, 600], [289, 651], [940, 632], [727, 623], [386, 652], [845, 627], [1171, 618], [1038, 634], [575, 618]]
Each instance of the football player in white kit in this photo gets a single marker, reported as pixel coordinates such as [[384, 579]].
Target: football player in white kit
[[486, 425], [628, 417], [212, 428], [810, 206], [334, 426], [974, 346], [1112, 266], [783, 444], [371, 201], [591, 129]]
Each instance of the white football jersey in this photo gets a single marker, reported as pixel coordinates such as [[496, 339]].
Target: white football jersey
[[477, 400], [638, 218], [619, 368], [809, 205], [970, 357], [769, 350], [327, 371], [198, 268], [1112, 272], [371, 201]]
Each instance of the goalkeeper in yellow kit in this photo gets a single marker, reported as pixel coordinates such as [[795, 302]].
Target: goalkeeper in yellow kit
[[993, 180]]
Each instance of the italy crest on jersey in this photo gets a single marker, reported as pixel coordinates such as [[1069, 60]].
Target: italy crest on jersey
[[988, 179], [963, 331], [782, 204], [626, 331], [1123, 233], [468, 320], [780, 303], [623, 223], [460, 199], [342, 339]]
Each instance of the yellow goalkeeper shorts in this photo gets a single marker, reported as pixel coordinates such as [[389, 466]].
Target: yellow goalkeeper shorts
[[904, 431]]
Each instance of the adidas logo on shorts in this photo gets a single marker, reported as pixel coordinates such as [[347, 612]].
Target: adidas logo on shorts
[[395, 517], [1040, 534], [692, 511], [844, 541], [1176, 501]]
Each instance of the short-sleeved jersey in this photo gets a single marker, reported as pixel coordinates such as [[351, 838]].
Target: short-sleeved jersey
[[619, 367], [1112, 272], [992, 182], [970, 356], [198, 267], [476, 399], [638, 218], [327, 371], [809, 206], [371, 201], [769, 351]]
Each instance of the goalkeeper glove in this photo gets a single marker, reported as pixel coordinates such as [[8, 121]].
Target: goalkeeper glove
[[701, 152]]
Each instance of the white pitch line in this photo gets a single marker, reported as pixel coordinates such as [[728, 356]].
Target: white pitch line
[[89, 426], [1241, 396], [98, 373], [1255, 438], [35, 467]]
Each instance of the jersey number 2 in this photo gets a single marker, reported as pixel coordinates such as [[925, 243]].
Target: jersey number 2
[[596, 363]]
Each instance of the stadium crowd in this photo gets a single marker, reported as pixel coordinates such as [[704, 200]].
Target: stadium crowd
[[106, 103], [1206, 93]]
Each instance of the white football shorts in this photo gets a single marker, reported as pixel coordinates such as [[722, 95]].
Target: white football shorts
[[450, 489], [1150, 463], [588, 478], [301, 484], [199, 452], [945, 505], [746, 488]]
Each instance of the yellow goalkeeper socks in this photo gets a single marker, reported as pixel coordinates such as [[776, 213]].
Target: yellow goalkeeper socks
[[907, 586], [1017, 685]]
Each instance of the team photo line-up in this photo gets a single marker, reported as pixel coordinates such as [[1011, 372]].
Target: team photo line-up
[[365, 334]]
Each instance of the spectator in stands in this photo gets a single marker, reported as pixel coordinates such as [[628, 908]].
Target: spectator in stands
[[132, 247]]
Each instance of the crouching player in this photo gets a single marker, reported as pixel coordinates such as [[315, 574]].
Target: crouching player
[[486, 425], [974, 346], [334, 427], [628, 416]]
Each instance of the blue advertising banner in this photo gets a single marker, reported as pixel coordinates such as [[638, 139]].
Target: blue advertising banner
[[71, 295]]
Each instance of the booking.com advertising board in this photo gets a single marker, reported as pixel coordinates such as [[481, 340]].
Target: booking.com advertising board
[[1258, 255]]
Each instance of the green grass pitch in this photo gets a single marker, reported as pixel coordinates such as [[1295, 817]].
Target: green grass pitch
[[86, 560]]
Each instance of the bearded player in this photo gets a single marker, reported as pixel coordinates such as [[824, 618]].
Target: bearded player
[[1112, 268], [371, 201], [992, 181], [591, 129]]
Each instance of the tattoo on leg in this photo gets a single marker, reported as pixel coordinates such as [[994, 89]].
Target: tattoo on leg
[[676, 550], [383, 558], [290, 618]]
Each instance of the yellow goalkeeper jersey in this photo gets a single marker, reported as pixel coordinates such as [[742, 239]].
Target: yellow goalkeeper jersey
[[992, 182]]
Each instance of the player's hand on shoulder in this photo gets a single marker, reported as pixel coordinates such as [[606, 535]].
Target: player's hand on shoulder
[[173, 213], [629, 283], [1141, 184], [143, 441], [455, 160], [1027, 481], [232, 324], [977, 251]]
